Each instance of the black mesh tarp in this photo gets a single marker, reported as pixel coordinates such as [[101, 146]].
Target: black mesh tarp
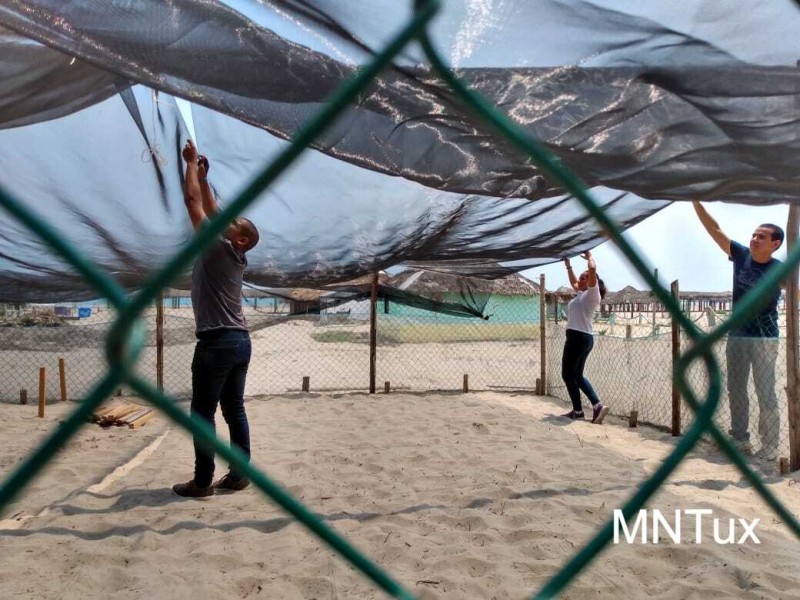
[[647, 102]]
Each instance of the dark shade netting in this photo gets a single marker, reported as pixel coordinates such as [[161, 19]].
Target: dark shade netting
[[648, 104]]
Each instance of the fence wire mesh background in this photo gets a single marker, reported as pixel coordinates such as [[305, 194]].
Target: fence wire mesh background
[[630, 368], [417, 350]]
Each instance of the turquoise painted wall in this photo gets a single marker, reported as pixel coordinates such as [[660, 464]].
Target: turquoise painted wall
[[501, 309]]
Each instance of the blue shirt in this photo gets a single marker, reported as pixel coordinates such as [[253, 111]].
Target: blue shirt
[[747, 273]]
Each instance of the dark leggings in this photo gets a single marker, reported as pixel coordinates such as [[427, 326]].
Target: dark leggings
[[576, 350]]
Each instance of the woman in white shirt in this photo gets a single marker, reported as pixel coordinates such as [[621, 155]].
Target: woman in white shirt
[[580, 311]]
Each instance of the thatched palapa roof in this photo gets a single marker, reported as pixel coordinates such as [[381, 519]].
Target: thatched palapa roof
[[431, 283], [630, 295], [562, 293]]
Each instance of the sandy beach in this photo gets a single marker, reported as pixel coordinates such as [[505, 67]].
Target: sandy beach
[[458, 496]]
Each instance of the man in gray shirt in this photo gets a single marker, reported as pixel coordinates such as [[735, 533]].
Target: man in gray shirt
[[222, 354]]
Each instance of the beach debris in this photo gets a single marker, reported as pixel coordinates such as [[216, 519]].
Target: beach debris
[[123, 413]]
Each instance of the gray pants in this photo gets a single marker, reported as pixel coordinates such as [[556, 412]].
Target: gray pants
[[760, 355]]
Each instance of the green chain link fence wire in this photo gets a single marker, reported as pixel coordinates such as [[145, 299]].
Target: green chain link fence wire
[[126, 337]]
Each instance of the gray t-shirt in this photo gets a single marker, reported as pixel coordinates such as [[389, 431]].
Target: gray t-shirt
[[217, 289]]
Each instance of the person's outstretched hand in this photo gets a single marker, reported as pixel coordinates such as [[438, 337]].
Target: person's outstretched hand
[[189, 152]]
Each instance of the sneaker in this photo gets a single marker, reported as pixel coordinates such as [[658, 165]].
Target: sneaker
[[574, 414], [191, 490], [599, 413], [744, 446], [230, 483], [768, 453]]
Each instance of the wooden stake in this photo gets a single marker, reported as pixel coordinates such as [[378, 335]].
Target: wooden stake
[[466, 383], [23, 396], [542, 336], [783, 465], [676, 353], [373, 332], [628, 331], [633, 420], [160, 340], [386, 387], [539, 387], [792, 335], [42, 384], [306, 383], [62, 377]]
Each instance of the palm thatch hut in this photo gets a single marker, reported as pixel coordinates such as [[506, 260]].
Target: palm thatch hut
[[304, 301], [631, 300], [513, 298], [435, 284]]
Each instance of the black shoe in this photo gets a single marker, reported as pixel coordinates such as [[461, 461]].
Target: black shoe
[[191, 490], [599, 413], [574, 414], [230, 483]]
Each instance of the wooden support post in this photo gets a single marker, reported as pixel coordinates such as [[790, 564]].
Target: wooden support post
[[676, 352], [306, 383], [160, 341], [792, 371], [539, 387], [62, 378], [633, 420], [542, 337], [23, 396], [373, 332], [652, 304], [466, 383], [386, 387], [42, 385], [628, 332], [783, 465]]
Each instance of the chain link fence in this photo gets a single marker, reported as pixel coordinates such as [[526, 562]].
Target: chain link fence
[[630, 368], [417, 350]]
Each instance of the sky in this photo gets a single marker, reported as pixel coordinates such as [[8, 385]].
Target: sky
[[674, 242]]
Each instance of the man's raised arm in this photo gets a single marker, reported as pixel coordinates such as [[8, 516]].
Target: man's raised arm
[[192, 194], [210, 206], [712, 227]]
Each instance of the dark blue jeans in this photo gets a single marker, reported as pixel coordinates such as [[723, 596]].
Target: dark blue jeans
[[219, 370], [576, 351]]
